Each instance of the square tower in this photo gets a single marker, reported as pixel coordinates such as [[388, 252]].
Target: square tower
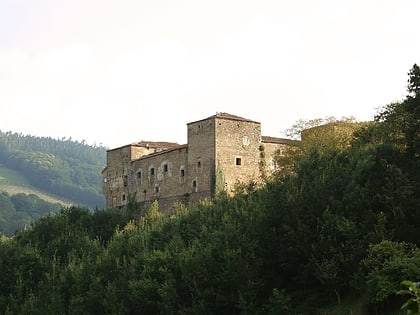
[[223, 149]]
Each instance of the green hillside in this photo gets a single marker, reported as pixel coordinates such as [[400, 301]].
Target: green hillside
[[67, 169], [46, 173], [13, 183], [21, 203], [11, 177], [335, 231]]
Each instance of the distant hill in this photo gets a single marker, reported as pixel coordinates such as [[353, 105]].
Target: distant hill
[[64, 171], [19, 210], [14, 183]]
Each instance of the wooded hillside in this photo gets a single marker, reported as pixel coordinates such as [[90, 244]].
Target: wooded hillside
[[334, 232], [65, 168]]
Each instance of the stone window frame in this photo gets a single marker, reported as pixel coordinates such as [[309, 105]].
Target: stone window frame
[[152, 172], [199, 165], [273, 164], [139, 176], [182, 174]]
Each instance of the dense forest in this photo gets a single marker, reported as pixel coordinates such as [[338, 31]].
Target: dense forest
[[335, 231], [20, 210], [68, 169]]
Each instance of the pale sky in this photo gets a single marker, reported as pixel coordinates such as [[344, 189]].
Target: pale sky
[[117, 72]]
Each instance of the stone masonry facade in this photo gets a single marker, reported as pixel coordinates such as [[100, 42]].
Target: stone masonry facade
[[222, 150]]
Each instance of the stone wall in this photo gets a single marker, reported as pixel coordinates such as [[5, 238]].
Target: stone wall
[[115, 176], [201, 153], [222, 150], [237, 151], [158, 175]]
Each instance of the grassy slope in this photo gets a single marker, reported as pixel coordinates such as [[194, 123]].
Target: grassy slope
[[13, 183]]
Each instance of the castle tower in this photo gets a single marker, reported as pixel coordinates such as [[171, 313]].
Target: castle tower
[[222, 150], [237, 151], [201, 158]]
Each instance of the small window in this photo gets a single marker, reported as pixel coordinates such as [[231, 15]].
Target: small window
[[194, 184], [125, 180], [238, 161], [123, 197], [198, 167], [139, 175], [165, 168], [273, 164], [182, 175], [152, 171], [157, 189]]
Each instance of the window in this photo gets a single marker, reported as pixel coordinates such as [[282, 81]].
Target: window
[[152, 171], [123, 197], [157, 189], [125, 180], [273, 164], [139, 175], [182, 175], [165, 168], [238, 161], [198, 166], [194, 185]]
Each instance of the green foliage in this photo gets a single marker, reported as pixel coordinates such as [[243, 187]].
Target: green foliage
[[218, 182], [413, 87], [20, 210], [386, 264], [69, 169], [11, 177], [279, 303], [326, 136], [412, 305], [342, 222]]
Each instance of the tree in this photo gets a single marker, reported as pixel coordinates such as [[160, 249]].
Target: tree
[[412, 305], [386, 263], [323, 135], [413, 86]]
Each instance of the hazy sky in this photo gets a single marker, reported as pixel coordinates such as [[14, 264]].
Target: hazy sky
[[116, 72]]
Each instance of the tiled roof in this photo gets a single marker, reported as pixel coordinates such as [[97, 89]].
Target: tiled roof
[[164, 151], [267, 139], [231, 117], [224, 115], [159, 145], [156, 144]]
